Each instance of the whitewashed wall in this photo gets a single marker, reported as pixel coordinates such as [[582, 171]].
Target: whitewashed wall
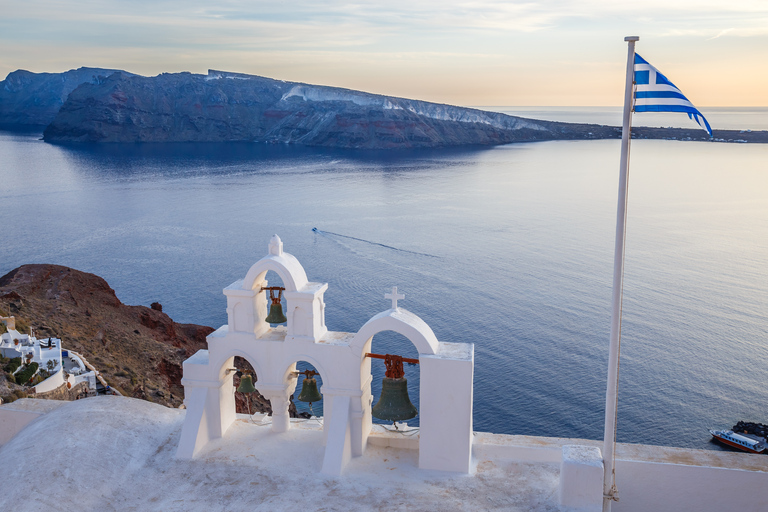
[[53, 382], [646, 486]]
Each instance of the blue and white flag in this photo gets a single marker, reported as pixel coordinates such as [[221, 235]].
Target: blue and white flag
[[655, 93]]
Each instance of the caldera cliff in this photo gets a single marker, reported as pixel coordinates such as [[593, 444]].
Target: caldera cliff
[[102, 105], [220, 106], [30, 99]]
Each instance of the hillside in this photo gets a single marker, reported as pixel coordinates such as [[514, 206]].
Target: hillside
[[139, 350]]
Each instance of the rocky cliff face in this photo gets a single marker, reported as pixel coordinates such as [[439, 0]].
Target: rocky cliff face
[[139, 350], [234, 107], [34, 99]]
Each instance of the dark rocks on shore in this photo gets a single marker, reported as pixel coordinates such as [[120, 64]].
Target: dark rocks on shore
[[747, 427]]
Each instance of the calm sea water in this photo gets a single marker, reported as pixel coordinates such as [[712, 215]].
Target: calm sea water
[[515, 253]]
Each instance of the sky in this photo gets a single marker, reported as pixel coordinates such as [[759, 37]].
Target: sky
[[471, 53]]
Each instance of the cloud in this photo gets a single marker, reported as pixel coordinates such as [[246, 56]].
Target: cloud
[[305, 23], [721, 33], [366, 44]]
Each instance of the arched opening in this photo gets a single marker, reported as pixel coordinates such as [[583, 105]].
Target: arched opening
[[299, 404], [273, 280], [391, 342], [286, 265], [259, 404]]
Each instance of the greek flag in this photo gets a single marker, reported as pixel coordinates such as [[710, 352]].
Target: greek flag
[[655, 93]]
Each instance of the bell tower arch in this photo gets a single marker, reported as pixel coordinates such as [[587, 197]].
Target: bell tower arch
[[248, 301], [445, 390]]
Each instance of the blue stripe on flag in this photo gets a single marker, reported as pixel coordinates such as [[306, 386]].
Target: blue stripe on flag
[[659, 94], [640, 60], [667, 108]]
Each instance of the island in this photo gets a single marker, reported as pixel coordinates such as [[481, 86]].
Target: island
[[117, 106]]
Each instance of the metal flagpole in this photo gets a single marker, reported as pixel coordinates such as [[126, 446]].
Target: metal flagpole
[[611, 395]]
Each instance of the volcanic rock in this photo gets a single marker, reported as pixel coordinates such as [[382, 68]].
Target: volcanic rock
[[83, 310]]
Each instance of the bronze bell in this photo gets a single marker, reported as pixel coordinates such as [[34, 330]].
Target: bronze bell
[[246, 384], [276, 315], [309, 392], [394, 403]]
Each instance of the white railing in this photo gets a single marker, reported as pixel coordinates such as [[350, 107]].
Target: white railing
[[91, 367]]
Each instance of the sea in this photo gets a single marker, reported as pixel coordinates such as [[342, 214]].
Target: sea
[[508, 247]]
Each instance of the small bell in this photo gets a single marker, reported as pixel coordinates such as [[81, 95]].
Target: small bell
[[394, 403], [309, 392], [246, 384], [276, 315]]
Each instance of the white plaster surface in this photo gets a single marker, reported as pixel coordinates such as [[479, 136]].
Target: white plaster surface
[[454, 350], [116, 453], [588, 455], [581, 477], [52, 382], [337, 338], [17, 415]]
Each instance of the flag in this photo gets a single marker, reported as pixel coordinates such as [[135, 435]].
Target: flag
[[655, 93]]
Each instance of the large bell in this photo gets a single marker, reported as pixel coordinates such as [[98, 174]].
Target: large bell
[[246, 384], [394, 404], [276, 315], [309, 392]]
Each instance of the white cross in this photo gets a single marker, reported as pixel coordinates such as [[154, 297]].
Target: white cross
[[394, 296]]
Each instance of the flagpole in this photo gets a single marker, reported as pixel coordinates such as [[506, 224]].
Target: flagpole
[[611, 396]]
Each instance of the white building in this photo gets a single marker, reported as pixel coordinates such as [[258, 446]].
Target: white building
[[62, 366]]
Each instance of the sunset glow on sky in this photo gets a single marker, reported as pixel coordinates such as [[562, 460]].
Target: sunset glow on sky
[[473, 53]]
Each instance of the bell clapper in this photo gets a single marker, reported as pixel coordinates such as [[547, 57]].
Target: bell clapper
[[402, 428]]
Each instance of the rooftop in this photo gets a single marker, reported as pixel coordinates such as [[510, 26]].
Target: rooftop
[[116, 453]]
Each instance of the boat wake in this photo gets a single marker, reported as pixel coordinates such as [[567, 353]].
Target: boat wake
[[373, 243]]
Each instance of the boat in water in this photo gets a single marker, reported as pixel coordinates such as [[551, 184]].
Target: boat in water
[[747, 442]]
